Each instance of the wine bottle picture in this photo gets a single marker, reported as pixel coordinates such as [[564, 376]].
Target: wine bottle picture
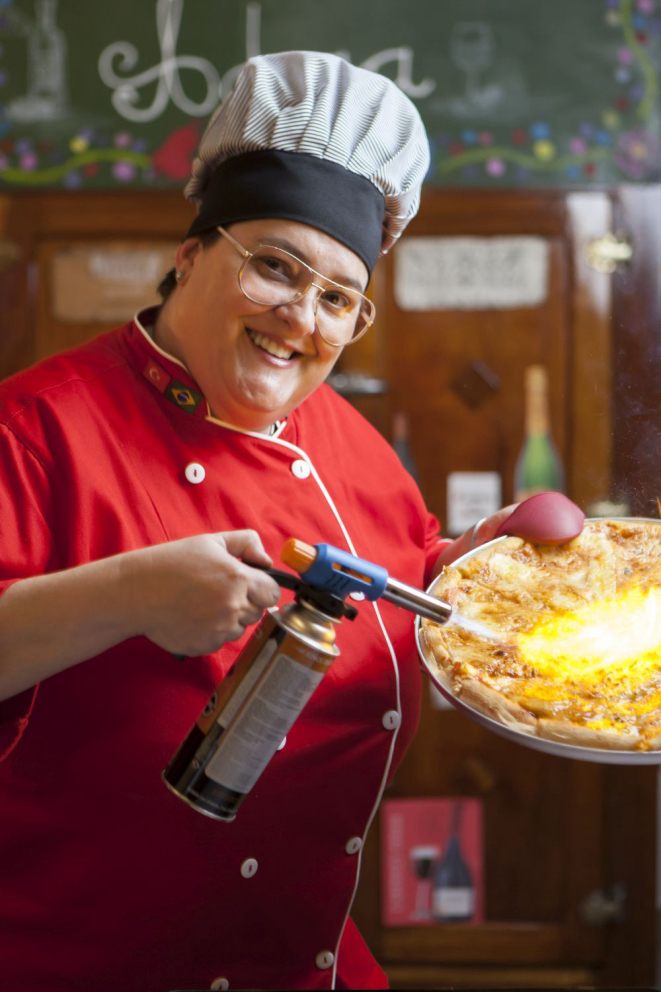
[[453, 890], [538, 467]]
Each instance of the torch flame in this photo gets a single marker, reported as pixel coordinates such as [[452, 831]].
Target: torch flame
[[616, 637]]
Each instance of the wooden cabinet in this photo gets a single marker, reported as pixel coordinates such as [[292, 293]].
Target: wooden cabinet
[[555, 830]]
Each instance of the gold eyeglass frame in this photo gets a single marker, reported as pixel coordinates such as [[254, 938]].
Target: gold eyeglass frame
[[247, 255]]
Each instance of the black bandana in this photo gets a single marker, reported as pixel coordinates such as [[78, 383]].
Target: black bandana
[[299, 187]]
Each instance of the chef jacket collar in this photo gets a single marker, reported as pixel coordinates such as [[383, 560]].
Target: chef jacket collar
[[169, 375]]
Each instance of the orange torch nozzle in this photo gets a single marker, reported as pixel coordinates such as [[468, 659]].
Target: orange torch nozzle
[[298, 555]]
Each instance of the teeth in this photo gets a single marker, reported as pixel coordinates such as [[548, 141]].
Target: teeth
[[269, 345]]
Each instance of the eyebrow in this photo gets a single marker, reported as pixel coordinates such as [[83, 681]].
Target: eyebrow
[[276, 242]]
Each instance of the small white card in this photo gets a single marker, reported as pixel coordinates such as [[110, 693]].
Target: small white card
[[471, 495], [437, 699]]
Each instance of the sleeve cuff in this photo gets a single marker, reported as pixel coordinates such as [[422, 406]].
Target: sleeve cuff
[[15, 711], [432, 556], [14, 715]]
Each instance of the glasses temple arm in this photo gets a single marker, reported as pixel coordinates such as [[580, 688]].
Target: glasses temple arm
[[239, 248]]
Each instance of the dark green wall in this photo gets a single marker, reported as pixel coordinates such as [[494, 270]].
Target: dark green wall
[[513, 92]]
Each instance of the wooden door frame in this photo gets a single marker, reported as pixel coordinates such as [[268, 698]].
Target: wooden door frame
[[637, 349]]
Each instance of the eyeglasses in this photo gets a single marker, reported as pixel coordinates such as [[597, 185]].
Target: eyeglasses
[[274, 277]]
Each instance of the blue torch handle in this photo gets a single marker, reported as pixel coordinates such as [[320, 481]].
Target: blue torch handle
[[343, 573]]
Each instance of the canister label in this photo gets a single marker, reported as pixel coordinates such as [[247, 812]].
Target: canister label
[[254, 737], [247, 682]]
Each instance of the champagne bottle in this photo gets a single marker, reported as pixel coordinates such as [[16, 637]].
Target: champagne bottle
[[400, 442], [453, 898], [538, 467]]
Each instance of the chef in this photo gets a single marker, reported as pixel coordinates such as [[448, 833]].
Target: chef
[[143, 476]]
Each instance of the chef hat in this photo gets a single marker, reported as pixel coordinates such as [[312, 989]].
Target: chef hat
[[306, 136]]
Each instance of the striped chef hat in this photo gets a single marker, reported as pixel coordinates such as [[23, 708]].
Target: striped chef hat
[[306, 136]]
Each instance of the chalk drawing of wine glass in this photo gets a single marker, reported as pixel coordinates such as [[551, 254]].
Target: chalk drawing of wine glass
[[472, 50], [47, 90]]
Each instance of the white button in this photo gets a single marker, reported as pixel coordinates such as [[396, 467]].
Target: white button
[[391, 720], [353, 845], [282, 743], [324, 959], [219, 983], [194, 473], [300, 469], [249, 867], [357, 595]]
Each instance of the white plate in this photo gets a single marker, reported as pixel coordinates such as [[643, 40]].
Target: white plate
[[607, 757]]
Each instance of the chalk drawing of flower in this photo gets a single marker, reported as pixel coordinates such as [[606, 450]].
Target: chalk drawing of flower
[[638, 154]]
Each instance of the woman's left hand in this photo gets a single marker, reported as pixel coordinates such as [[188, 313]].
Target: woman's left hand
[[481, 532]]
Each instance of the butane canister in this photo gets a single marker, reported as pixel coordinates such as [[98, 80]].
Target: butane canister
[[255, 705]]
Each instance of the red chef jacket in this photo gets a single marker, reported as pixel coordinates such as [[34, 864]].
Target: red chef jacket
[[108, 881]]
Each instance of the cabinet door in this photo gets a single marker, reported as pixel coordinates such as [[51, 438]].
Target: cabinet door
[[554, 832]]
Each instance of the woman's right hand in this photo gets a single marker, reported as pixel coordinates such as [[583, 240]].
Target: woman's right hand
[[192, 595]]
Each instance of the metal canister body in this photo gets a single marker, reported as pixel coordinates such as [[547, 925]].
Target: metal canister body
[[252, 709]]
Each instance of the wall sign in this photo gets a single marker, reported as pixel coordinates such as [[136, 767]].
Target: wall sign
[[105, 283], [471, 273]]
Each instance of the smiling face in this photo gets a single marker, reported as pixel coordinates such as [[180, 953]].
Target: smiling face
[[253, 363]]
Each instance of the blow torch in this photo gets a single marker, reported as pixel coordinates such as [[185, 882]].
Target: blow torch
[[253, 708]]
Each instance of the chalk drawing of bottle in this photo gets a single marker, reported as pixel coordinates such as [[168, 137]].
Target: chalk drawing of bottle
[[472, 50], [47, 96]]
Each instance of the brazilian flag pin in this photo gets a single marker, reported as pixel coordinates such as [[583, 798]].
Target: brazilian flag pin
[[185, 397]]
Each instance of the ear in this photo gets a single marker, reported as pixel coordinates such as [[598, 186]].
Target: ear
[[186, 253]]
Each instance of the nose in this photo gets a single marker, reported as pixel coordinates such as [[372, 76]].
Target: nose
[[301, 314]]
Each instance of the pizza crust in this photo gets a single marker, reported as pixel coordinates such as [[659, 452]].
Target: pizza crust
[[578, 736], [494, 704]]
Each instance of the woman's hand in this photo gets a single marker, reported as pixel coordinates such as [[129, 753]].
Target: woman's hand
[[544, 518], [480, 533], [192, 595], [485, 530]]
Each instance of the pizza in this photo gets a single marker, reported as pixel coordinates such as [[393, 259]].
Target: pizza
[[577, 654]]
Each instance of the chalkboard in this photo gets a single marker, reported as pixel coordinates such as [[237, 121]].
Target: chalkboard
[[513, 92]]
